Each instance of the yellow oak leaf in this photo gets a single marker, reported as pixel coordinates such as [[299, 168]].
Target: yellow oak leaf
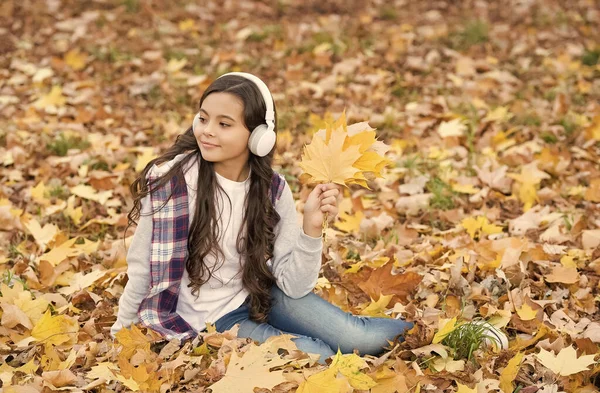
[[446, 327], [566, 362], [58, 329], [508, 375]]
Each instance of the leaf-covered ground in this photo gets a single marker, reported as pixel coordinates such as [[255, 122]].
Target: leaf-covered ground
[[490, 208]]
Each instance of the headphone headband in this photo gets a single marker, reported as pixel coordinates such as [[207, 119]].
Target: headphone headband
[[266, 94]]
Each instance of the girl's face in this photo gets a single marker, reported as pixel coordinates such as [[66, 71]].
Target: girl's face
[[222, 134]]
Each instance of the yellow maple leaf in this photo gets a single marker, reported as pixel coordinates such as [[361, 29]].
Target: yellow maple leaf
[[58, 254], [465, 389], [187, 24], [90, 193], [33, 308], [324, 382], [251, 371], [103, 371], [377, 308], [350, 366], [75, 59], [566, 362], [455, 127], [508, 375], [132, 339], [593, 131], [43, 236], [56, 330], [499, 114], [526, 313], [144, 158], [51, 101], [37, 193], [71, 211], [335, 156], [174, 65], [529, 179], [350, 223], [480, 224], [328, 163], [389, 381]]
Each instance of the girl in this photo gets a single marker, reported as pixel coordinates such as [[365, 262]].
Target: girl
[[218, 239]]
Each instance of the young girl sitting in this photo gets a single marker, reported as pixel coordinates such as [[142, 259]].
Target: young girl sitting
[[218, 238]]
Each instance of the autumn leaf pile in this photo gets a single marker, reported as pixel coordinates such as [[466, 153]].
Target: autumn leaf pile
[[487, 206]]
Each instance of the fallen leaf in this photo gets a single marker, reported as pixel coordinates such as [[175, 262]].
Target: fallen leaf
[[509, 374], [566, 362]]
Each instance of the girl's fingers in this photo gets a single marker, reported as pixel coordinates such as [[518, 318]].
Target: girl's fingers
[[328, 201]]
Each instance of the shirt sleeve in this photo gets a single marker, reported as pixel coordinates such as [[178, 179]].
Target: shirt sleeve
[[138, 270], [296, 258]]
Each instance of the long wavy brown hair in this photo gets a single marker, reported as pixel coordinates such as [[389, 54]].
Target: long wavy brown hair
[[255, 244]]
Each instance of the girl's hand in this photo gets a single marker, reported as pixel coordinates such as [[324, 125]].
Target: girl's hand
[[323, 199]]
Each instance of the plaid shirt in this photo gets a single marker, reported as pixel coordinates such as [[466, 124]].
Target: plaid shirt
[[168, 256]]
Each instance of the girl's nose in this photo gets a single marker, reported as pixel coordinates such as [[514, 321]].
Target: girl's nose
[[208, 129]]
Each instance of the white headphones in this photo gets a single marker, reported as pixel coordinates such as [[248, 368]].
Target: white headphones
[[263, 137]]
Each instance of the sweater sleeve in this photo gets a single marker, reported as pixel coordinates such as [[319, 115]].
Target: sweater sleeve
[[138, 270], [296, 258]]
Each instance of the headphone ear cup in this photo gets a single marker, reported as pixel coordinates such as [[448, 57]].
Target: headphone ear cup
[[262, 140]]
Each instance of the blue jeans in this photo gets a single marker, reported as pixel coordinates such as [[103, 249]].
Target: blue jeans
[[319, 326]]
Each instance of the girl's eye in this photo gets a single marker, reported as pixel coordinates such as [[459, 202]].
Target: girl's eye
[[224, 124], [202, 119]]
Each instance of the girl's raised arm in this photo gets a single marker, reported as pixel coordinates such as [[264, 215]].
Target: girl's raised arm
[[296, 258]]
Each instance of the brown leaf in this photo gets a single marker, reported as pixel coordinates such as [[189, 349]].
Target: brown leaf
[[382, 281]]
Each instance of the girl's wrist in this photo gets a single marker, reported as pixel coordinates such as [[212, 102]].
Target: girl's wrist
[[312, 231]]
